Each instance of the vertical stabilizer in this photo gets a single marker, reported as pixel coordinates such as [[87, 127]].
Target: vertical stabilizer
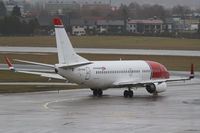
[[66, 53]]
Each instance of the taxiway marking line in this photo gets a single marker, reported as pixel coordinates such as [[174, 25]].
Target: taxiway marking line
[[46, 105]]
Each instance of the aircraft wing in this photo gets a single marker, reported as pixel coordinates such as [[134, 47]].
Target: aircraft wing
[[48, 75], [144, 83]]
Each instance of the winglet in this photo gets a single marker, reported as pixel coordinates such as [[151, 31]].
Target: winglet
[[9, 64], [192, 71]]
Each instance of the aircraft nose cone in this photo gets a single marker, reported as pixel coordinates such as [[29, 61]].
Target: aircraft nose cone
[[158, 70]]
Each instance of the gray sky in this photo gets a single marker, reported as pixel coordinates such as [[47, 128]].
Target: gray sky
[[166, 3]]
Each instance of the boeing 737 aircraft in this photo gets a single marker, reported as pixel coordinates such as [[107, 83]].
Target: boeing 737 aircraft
[[102, 75]]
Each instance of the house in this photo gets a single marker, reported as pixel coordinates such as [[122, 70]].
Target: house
[[144, 26], [193, 24], [90, 26], [188, 22], [110, 26], [80, 27], [168, 25]]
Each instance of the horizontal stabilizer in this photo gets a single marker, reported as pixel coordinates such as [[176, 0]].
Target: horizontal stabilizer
[[35, 63], [48, 75]]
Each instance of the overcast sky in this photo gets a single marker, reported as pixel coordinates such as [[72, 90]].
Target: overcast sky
[[166, 3]]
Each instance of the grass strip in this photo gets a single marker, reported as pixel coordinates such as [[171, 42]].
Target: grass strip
[[121, 42]]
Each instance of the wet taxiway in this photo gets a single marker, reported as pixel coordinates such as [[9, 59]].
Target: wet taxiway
[[175, 111]]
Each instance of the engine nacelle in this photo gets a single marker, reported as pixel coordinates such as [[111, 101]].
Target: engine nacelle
[[156, 87]]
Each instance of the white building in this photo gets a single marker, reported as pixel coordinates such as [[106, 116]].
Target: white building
[[78, 30], [144, 26]]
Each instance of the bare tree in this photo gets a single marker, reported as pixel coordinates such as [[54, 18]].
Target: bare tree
[[2, 9], [181, 11], [123, 11]]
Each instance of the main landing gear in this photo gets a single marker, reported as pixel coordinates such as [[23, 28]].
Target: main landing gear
[[97, 92], [128, 93]]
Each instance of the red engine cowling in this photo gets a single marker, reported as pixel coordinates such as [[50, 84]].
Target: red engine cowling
[[156, 87]]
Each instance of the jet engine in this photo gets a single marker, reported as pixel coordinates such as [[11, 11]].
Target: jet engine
[[156, 87]]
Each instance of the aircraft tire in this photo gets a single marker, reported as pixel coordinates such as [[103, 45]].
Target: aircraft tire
[[100, 92], [126, 94], [97, 92], [130, 93]]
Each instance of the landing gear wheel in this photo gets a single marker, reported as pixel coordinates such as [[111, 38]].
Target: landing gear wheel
[[97, 92], [100, 92], [128, 93]]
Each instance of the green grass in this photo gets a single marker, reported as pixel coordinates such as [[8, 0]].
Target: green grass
[[125, 42], [46, 58], [9, 76]]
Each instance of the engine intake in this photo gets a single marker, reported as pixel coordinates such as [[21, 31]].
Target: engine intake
[[156, 87]]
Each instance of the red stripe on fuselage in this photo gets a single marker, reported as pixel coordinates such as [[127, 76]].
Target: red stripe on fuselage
[[158, 70]]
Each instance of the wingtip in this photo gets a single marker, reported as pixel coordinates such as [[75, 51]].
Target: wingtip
[[9, 64]]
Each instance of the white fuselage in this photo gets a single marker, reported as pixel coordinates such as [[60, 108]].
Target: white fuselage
[[103, 74]]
